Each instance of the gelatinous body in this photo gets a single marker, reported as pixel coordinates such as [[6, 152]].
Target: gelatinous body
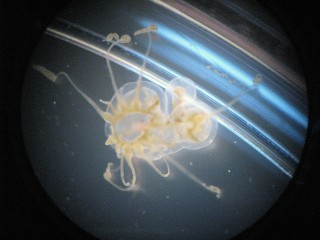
[[144, 121]]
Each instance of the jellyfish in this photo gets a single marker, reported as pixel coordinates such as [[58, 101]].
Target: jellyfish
[[144, 121]]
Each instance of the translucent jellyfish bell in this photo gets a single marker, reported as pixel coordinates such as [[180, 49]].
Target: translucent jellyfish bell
[[185, 84], [198, 126], [131, 126], [149, 93], [195, 117], [180, 89]]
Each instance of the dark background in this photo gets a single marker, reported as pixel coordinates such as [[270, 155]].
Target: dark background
[[26, 212]]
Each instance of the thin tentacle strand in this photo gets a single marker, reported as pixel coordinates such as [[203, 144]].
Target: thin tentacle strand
[[54, 78], [211, 188]]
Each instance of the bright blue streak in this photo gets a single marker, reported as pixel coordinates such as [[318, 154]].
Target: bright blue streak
[[276, 100], [233, 70], [206, 54]]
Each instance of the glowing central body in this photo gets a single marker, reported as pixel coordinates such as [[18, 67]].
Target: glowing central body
[[145, 125], [144, 121], [136, 118]]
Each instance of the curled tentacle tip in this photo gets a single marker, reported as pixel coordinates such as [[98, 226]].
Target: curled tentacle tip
[[153, 27], [125, 38], [150, 28], [112, 36], [216, 190], [107, 175], [219, 194]]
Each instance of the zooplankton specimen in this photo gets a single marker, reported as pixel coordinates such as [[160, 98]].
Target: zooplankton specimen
[[144, 121]]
